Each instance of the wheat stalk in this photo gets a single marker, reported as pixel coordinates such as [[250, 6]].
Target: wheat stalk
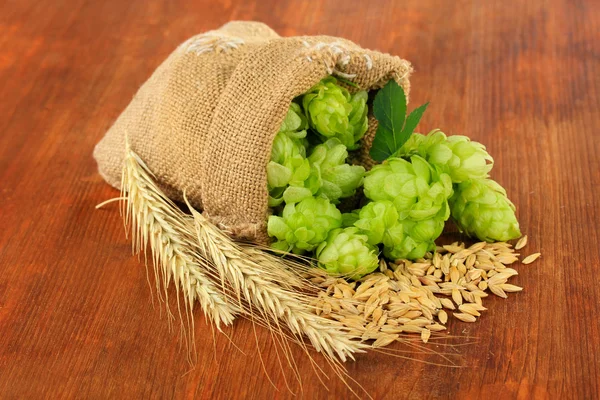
[[192, 251], [157, 221], [261, 281]]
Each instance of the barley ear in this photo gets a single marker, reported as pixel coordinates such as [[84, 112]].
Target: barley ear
[[257, 281], [157, 221]]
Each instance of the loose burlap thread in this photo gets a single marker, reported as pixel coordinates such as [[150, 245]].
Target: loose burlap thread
[[205, 121]]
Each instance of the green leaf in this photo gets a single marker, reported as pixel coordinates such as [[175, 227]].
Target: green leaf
[[394, 128], [389, 107], [409, 126], [381, 149], [412, 121]]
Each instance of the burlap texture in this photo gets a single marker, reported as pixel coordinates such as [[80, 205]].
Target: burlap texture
[[205, 120]]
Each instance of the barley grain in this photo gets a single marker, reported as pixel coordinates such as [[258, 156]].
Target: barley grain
[[468, 296], [531, 258], [385, 340], [412, 329], [477, 246], [425, 334], [453, 248], [436, 328], [465, 317], [507, 287], [498, 291], [469, 309], [521, 243], [447, 303], [442, 316], [457, 297]]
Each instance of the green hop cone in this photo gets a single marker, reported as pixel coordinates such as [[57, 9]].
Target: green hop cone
[[379, 221], [418, 190], [295, 120], [288, 167], [333, 112], [414, 145], [305, 225], [455, 155], [481, 208], [290, 176], [419, 238], [358, 116], [337, 179], [404, 239], [347, 252], [291, 138]]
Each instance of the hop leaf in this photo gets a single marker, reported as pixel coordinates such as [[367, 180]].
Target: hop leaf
[[337, 179], [417, 190], [456, 155], [481, 208], [334, 113], [303, 226], [347, 252], [394, 127]]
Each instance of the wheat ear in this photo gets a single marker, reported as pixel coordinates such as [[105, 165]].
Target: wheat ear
[[261, 282], [157, 221]]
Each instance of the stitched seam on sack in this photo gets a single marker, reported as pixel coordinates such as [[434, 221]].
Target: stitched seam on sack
[[211, 42], [334, 56]]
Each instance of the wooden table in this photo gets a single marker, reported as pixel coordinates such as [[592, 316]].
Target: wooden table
[[76, 318]]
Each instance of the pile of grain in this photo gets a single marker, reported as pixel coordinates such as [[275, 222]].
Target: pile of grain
[[412, 297]]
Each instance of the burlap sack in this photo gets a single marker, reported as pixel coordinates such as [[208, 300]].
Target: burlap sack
[[205, 120]]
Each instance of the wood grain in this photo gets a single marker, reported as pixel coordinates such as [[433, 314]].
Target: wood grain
[[76, 318]]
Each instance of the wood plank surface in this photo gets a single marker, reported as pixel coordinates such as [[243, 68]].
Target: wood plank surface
[[76, 315]]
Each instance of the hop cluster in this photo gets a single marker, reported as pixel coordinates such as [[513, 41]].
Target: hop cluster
[[455, 155], [408, 208], [334, 113], [481, 208], [407, 198], [305, 181], [401, 238]]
